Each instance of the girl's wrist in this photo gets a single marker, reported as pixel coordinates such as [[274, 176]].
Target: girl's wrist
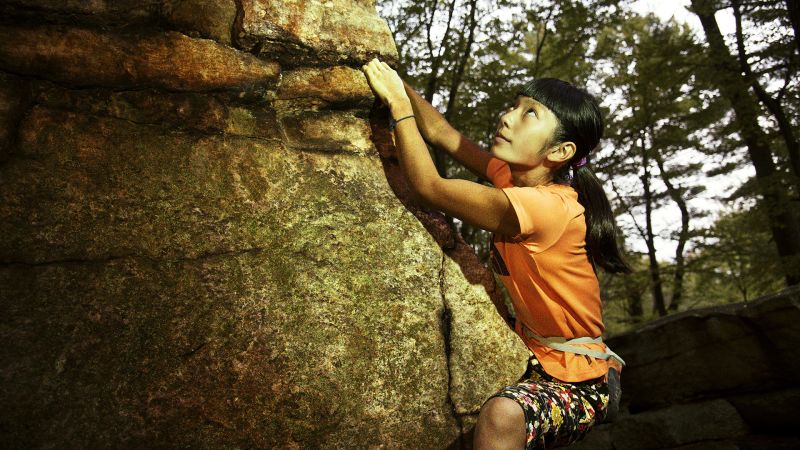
[[400, 107]]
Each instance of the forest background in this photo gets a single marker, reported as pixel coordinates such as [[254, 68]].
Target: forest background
[[700, 158]]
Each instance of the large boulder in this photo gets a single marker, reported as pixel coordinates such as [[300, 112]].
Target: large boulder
[[208, 242], [724, 377], [705, 353]]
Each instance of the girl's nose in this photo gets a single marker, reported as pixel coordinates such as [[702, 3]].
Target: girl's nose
[[504, 122]]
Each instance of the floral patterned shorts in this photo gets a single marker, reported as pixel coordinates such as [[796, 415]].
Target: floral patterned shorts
[[556, 413]]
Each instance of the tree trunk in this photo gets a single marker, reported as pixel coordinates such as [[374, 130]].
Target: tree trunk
[[432, 84], [655, 272], [675, 195], [540, 40], [772, 104], [783, 223], [634, 296], [634, 300], [794, 16], [462, 63], [436, 60]]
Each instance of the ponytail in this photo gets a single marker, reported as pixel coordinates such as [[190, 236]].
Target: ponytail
[[601, 228]]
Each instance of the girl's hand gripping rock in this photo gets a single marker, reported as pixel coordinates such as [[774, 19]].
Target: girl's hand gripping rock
[[385, 82]]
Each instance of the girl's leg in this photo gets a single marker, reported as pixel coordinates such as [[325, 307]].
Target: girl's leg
[[501, 425], [536, 414]]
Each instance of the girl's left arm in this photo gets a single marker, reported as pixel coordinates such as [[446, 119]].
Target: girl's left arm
[[482, 206]]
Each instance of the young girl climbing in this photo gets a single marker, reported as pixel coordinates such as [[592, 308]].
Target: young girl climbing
[[552, 225]]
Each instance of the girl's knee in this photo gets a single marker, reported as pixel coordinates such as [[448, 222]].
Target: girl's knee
[[503, 415]]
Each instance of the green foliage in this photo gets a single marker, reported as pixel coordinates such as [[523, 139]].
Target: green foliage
[[735, 261]]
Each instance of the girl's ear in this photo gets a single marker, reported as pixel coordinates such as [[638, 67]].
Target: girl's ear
[[563, 153]]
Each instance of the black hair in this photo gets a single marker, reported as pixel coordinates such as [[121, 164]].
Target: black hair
[[581, 122]]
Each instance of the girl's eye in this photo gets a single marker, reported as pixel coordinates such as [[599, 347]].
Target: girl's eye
[[531, 111]]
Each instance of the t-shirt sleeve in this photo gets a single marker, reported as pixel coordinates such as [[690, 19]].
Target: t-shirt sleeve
[[543, 215]]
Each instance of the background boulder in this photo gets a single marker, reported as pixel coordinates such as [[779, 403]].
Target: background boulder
[[720, 377]]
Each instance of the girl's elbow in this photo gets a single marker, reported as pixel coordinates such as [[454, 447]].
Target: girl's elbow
[[418, 199], [424, 194]]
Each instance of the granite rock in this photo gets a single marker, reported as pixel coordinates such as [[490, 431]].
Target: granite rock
[[314, 32], [208, 241]]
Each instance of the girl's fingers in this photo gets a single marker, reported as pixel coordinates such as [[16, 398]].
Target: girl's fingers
[[377, 64], [369, 69]]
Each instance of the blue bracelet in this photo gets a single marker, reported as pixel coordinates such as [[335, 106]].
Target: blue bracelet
[[393, 123]]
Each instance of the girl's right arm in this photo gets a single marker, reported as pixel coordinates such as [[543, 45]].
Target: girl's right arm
[[440, 134]]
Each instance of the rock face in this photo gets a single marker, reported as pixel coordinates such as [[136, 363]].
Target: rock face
[[207, 240], [723, 377]]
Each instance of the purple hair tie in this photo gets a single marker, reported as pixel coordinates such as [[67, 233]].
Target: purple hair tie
[[579, 164]]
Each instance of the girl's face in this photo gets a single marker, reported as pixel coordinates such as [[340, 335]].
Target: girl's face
[[523, 132]]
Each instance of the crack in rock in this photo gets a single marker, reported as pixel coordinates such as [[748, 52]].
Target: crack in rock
[[446, 319]]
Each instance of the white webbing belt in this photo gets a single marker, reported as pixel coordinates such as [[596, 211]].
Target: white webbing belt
[[565, 345]]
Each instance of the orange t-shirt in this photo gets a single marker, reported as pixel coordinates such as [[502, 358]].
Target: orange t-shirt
[[547, 272]]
